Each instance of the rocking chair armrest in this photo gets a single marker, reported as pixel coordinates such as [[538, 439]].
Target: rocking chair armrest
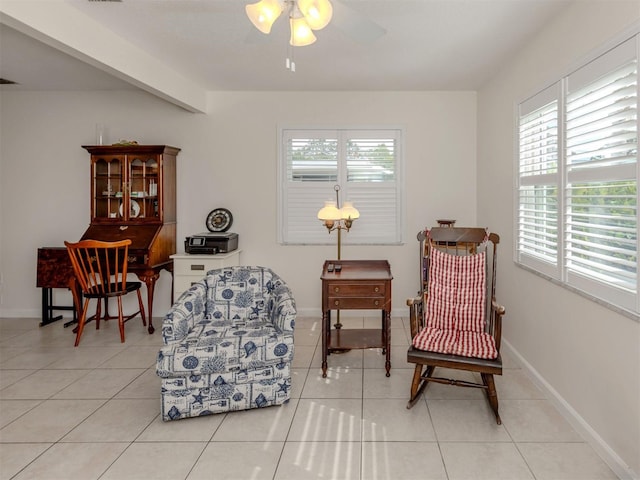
[[416, 317], [411, 301], [499, 309]]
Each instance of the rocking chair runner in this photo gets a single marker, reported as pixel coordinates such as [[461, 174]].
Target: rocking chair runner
[[100, 269], [456, 321]]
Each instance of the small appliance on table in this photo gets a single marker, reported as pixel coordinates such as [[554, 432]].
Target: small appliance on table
[[209, 243]]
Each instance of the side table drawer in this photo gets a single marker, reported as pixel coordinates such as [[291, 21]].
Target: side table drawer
[[199, 265], [342, 289], [341, 303], [195, 267]]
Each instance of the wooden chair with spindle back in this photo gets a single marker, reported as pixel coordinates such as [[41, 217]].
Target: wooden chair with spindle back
[[100, 269]]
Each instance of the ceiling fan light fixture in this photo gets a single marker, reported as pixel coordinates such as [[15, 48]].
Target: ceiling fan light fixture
[[318, 13], [301, 33], [263, 14]]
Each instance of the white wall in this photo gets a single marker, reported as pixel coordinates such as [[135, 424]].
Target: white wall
[[228, 159], [586, 355]]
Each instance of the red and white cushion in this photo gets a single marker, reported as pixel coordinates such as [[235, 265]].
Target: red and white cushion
[[435, 340], [455, 308], [456, 342], [456, 291], [475, 344]]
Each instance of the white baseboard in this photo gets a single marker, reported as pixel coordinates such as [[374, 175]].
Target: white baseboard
[[617, 464], [317, 312], [20, 313], [305, 312]]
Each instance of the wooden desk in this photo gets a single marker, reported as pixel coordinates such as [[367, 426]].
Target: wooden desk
[[54, 271], [149, 254], [359, 285]]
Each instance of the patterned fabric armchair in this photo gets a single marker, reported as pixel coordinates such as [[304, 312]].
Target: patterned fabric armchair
[[228, 344]]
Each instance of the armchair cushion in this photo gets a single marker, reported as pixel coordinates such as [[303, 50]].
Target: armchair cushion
[[214, 347]]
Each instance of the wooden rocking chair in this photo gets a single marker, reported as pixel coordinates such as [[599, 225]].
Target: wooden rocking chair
[[456, 322]]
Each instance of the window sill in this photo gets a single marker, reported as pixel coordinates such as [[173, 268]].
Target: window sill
[[622, 311]]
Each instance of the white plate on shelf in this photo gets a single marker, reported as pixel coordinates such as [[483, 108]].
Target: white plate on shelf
[[135, 209]]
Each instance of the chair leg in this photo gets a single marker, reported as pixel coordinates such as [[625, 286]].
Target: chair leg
[[120, 319], [492, 394], [417, 385], [141, 305], [98, 313], [81, 321]]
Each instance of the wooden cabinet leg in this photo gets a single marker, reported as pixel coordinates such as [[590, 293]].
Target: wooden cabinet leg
[[150, 279], [387, 340], [326, 319]]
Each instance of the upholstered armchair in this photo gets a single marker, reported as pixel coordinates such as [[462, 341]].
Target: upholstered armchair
[[228, 344]]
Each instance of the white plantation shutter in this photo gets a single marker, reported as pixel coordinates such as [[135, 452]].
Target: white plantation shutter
[[366, 164], [601, 158], [539, 181], [379, 209], [577, 202]]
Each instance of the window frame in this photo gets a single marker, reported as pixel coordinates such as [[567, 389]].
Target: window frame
[[562, 272], [312, 230]]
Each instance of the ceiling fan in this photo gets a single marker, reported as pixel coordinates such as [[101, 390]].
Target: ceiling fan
[[307, 15]]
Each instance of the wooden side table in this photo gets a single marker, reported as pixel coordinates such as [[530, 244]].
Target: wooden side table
[[357, 285]]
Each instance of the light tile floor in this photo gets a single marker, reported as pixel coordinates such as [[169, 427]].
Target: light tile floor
[[92, 412]]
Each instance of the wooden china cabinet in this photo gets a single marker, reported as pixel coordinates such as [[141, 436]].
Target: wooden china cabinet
[[133, 195], [133, 185]]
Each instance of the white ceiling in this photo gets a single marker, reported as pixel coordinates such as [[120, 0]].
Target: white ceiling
[[425, 45]]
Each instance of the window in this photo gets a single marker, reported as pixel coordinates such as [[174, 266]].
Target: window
[[366, 164], [577, 179], [539, 180]]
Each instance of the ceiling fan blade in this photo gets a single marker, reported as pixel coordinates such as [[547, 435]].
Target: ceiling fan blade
[[355, 24]]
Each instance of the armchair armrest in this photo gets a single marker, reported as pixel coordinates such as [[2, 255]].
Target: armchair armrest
[[282, 307], [185, 313]]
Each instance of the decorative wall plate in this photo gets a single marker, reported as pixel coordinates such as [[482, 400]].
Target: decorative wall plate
[[135, 209], [219, 220]]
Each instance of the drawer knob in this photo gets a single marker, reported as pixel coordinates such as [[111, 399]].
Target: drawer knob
[[336, 289], [376, 289], [336, 303], [376, 302], [197, 267]]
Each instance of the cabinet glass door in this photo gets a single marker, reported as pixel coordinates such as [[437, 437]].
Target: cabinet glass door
[[143, 188], [107, 188]]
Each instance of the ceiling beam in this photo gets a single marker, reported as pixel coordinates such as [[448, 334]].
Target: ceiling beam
[[65, 28]]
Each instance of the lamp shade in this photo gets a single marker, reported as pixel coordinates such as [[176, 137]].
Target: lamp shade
[[264, 13], [301, 34], [329, 212], [348, 211], [318, 13]]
